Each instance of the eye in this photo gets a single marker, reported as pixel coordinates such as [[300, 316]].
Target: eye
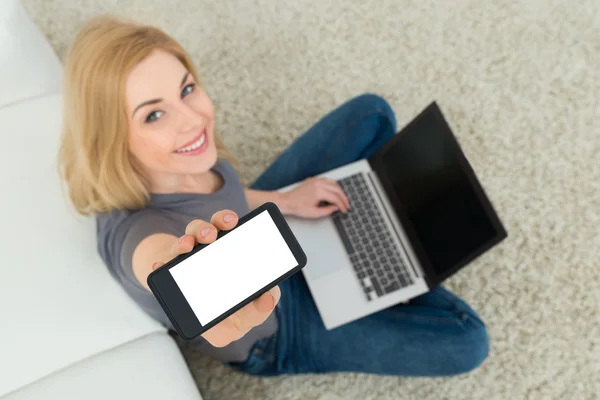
[[187, 90], [153, 116]]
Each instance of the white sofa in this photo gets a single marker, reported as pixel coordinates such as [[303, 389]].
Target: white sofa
[[68, 331]]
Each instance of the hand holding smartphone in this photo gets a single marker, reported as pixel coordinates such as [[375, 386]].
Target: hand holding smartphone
[[218, 289]]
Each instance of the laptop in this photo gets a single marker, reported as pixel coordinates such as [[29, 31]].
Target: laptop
[[418, 214]]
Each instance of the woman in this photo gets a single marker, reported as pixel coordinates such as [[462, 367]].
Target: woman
[[140, 152]]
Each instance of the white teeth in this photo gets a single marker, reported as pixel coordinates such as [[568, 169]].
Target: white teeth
[[193, 146]]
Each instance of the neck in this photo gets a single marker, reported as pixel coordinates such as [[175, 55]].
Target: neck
[[183, 183]]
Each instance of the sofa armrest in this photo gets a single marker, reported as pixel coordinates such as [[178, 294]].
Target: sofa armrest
[[148, 368], [29, 68]]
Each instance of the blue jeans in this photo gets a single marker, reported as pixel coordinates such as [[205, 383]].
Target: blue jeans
[[435, 334]]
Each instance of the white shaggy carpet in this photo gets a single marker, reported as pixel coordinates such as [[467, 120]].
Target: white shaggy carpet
[[519, 82]]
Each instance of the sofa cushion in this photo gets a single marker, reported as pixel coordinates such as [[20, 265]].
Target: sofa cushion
[[148, 368], [58, 303], [28, 65]]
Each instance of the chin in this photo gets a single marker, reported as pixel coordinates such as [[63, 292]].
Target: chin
[[201, 163], [210, 159]]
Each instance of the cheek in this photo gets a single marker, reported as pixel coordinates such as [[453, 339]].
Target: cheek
[[210, 110], [151, 147], [205, 107], [210, 114]]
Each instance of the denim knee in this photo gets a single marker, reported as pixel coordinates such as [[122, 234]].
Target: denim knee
[[374, 102], [475, 345]]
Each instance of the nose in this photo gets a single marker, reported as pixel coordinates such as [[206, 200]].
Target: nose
[[189, 120]]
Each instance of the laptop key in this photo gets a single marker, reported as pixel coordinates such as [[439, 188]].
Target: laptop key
[[378, 288], [342, 232], [391, 287], [403, 281]]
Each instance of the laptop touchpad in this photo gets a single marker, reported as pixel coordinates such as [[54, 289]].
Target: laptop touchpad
[[321, 243]]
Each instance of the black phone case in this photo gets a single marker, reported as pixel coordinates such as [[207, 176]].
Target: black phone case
[[286, 233]]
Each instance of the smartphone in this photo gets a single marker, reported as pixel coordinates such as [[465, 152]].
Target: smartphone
[[199, 289]]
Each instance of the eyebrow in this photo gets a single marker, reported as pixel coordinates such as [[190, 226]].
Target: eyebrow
[[154, 101]]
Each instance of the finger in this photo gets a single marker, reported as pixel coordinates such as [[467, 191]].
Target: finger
[[324, 211], [157, 265], [345, 204], [184, 244], [333, 186], [238, 324], [224, 220], [336, 188], [253, 314], [268, 306], [331, 197], [256, 312], [201, 231]]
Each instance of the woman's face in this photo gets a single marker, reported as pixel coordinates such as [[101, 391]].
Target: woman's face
[[171, 119]]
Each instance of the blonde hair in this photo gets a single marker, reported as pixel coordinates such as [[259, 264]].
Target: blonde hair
[[94, 160]]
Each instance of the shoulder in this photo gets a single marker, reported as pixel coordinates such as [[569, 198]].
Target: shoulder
[[120, 221], [227, 170]]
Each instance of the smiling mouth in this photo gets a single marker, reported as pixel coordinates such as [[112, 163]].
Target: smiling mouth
[[199, 141]]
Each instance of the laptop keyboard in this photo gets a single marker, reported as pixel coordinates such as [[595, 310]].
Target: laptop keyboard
[[374, 256]]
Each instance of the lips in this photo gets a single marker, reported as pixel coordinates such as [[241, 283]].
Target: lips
[[194, 144]]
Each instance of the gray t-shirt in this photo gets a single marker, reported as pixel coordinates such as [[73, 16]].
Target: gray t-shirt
[[120, 231]]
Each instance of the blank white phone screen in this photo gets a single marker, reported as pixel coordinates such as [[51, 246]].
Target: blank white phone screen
[[234, 267]]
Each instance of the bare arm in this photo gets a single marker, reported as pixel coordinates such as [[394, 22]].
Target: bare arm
[[305, 200], [257, 198], [153, 248]]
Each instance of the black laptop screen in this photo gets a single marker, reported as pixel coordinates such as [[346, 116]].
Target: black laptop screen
[[431, 182]]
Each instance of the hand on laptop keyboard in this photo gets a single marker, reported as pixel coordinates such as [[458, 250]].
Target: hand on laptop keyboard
[[314, 198]]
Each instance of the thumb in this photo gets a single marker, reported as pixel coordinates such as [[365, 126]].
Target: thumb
[[157, 265], [324, 211], [266, 303]]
